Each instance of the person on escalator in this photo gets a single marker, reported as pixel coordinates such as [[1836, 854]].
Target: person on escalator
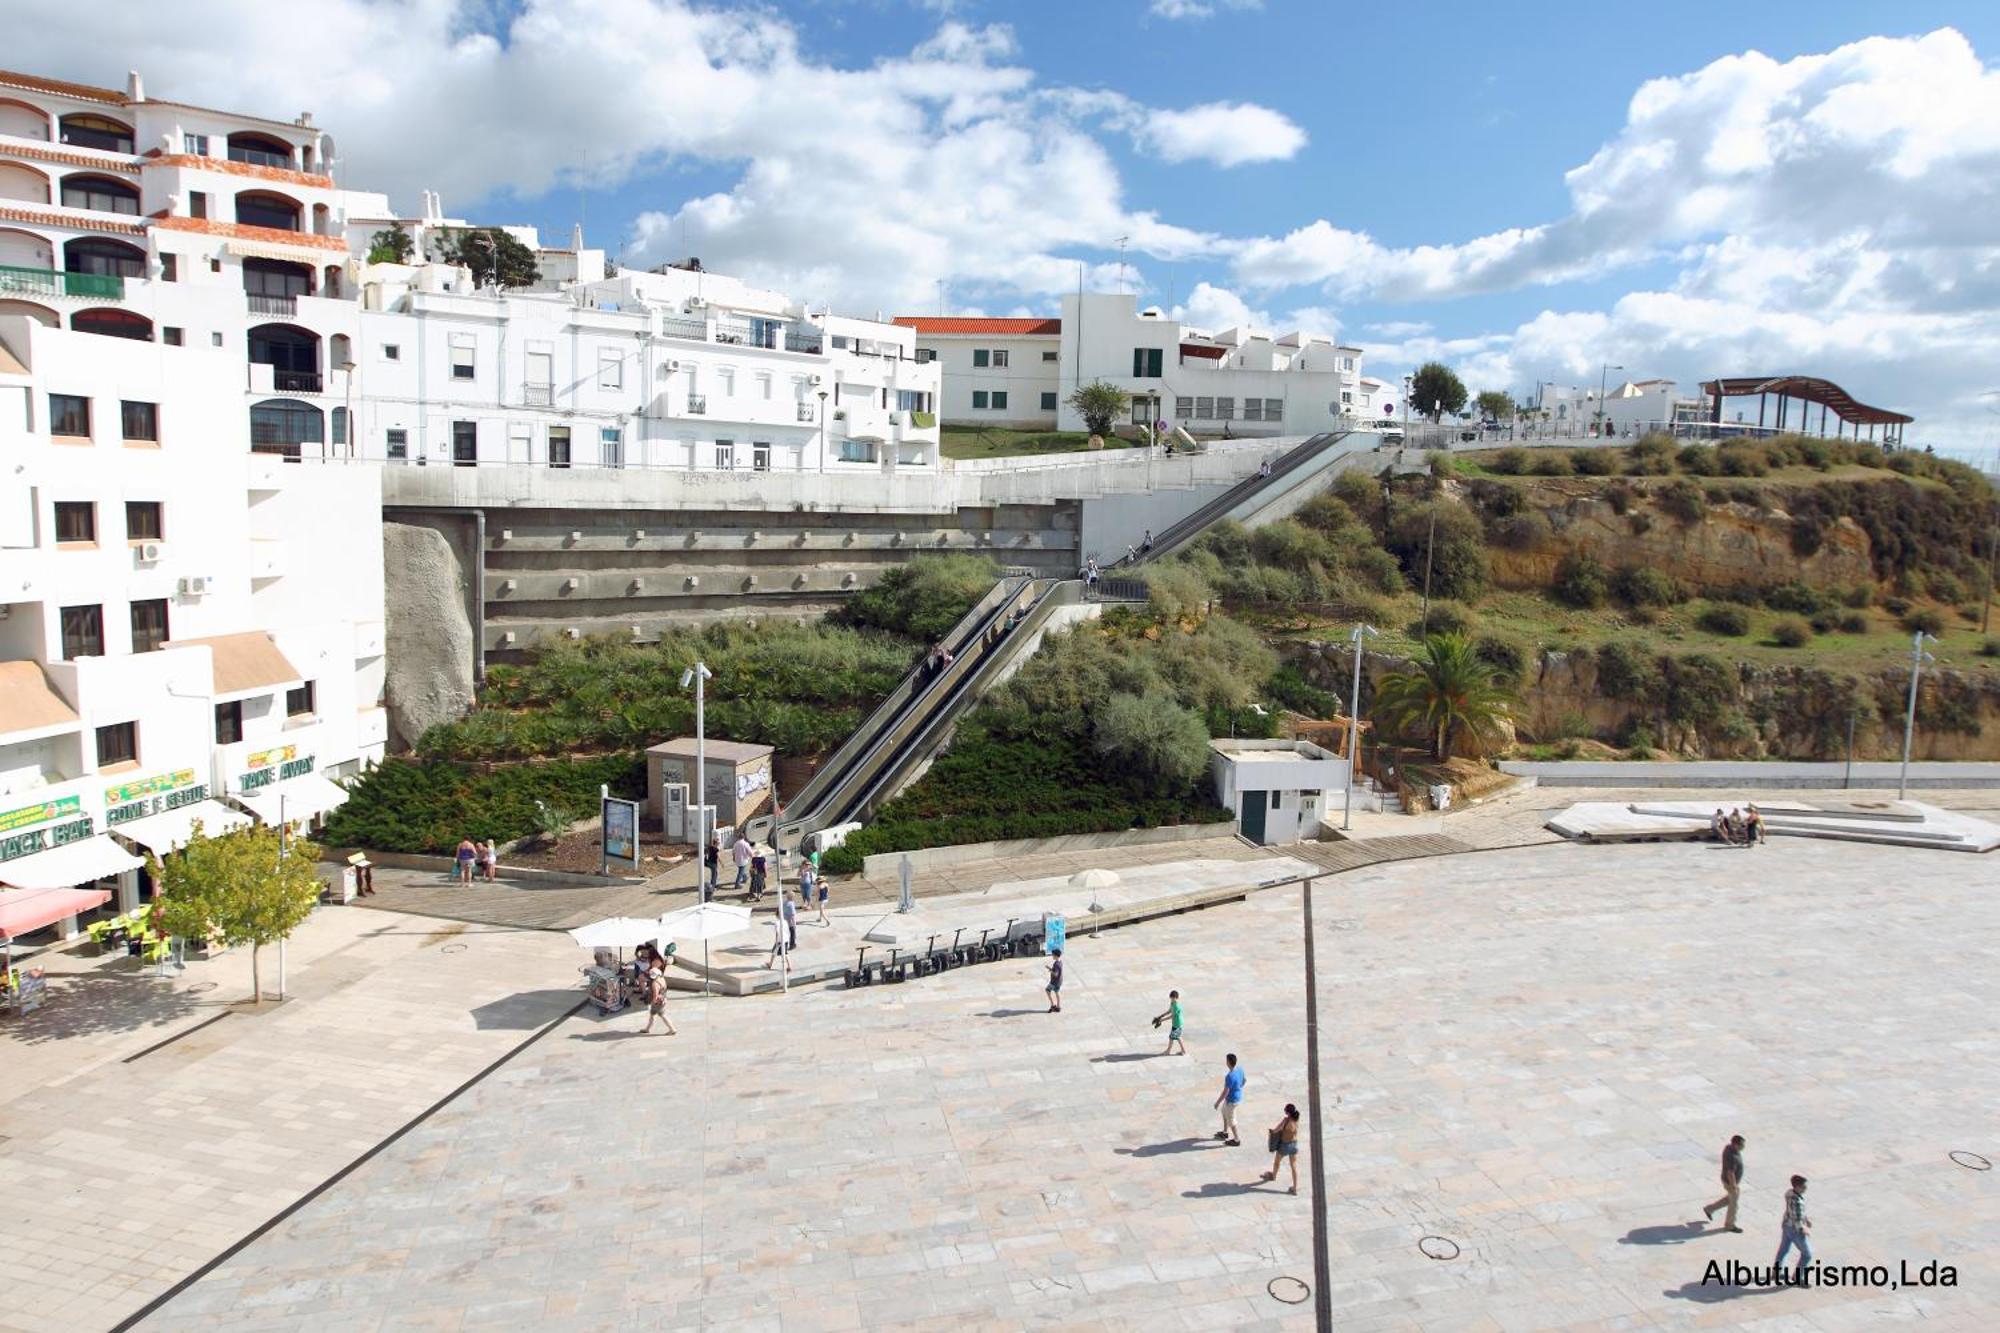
[[1146, 543]]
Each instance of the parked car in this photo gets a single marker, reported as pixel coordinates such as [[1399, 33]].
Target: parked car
[[1390, 431]]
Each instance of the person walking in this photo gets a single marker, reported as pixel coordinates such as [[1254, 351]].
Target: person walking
[[468, 852], [739, 853], [656, 1000], [1732, 1182], [760, 874], [1054, 988], [1146, 543], [1173, 1011], [489, 861], [711, 857], [1230, 1099], [1792, 1231], [790, 912], [808, 881], [819, 896], [1285, 1146], [781, 955]]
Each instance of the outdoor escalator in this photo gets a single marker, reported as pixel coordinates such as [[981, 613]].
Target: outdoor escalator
[[1288, 471]]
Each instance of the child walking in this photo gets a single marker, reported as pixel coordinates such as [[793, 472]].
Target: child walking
[[1173, 1012]]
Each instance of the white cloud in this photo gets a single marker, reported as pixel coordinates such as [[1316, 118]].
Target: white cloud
[[1197, 9], [1228, 134]]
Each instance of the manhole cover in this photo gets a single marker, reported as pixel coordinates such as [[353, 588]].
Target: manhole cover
[[452, 948], [1971, 1161], [1288, 1289], [1438, 1247]]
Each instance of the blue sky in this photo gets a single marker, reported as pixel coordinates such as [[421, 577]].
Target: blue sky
[[1803, 187]]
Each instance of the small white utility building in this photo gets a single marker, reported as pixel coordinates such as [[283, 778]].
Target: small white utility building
[[1278, 789]]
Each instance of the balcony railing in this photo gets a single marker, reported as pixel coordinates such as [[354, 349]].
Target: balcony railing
[[537, 395], [806, 412], [257, 157], [52, 282], [295, 381], [697, 404], [804, 342], [260, 304], [693, 329]]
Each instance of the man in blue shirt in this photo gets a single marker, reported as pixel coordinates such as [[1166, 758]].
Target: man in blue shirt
[[1229, 1100]]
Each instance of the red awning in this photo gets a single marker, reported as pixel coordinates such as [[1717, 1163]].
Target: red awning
[[23, 910]]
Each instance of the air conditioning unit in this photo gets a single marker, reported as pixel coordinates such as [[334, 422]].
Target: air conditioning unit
[[671, 366], [195, 585], [816, 379], [696, 303], [152, 553]]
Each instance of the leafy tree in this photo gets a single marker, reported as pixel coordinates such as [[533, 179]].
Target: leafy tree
[[491, 254], [1153, 737], [1436, 389], [1099, 404], [241, 886], [1496, 405], [923, 598], [1454, 548], [1451, 694], [391, 245]]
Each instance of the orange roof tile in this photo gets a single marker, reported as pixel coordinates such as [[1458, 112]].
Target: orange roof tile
[[82, 91], [74, 224], [956, 324], [73, 159], [250, 169], [242, 232]]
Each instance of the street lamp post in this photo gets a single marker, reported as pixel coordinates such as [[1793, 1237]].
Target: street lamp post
[[1354, 727], [1603, 374], [697, 675], [822, 430], [1917, 659]]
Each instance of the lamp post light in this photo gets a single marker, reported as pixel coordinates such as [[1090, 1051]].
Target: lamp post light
[[1917, 659], [698, 675], [1603, 374], [822, 430], [1354, 727]]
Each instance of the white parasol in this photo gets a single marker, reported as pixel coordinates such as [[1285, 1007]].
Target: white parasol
[[704, 922], [617, 932]]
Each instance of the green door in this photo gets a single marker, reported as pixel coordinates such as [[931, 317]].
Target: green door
[[1253, 815]]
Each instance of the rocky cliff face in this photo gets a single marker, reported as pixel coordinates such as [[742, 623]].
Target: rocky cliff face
[[1734, 545], [430, 649]]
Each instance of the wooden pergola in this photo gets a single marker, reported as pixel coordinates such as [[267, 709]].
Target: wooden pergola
[[1807, 391]]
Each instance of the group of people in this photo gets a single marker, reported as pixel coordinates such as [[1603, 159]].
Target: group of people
[[1738, 828], [475, 858], [1794, 1227], [650, 968], [935, 663]]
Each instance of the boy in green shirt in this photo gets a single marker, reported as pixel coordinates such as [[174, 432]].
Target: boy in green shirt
[[1173, 1032]]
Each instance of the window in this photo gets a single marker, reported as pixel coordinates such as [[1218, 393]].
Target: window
[[267, 210], [76, 522], [1347, 363], [981, 358], [610, 369], [198, 203], [725, 455], [926, 355], [170, 268], [149, 625], [117, 744], [559, 446], [105, 196], [299, 701], [392, 351], [611, 446], [464, 443], [140, 421], [464, 347], [113, 324], [1274, 409], [82, 632], [170, 335], [520, 442], [999, 358], [195, 143], [979, 398], [1146, 363], [1346, 395], [1000, 400], [1253, 409], [1183, 408], [396, 443], [764, 387], [910, 400], [100, 132], [340, 425], [760, 457], [144, 521], [280, 426], [1048, 356], [1048, 402], [725, 382], [229, 723], [215, 339], [1225, 409], [69, 415], [1204, 409], [540, 386]]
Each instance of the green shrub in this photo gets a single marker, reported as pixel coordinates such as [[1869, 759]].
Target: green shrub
[[1791, 632], [1742, 460], [922, 598], [1174, 591], [1595, 462], [1620, 495], [1802, 598], [1631, 673], [1651, 456], [1151, 736], [1522, 532], [1697, 688], [1859, 596], [1375, 569], [1639, 522], [1923, 618], [1896, 606], [1991, 648], [1288, 688], [1971, 612], [408, 806], [1731, 620], [1853, 622], [1682, 499], [1457, 559], [1698, 460], [1510, 462], [1579, 581], [1361, 493], [1508, 659], [1826, 622], [1496, 499], [1326, 513], [1445, 618], [1647, 586], [1552, 463]]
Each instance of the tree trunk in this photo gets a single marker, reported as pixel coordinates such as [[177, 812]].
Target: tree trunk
[[256, 978]]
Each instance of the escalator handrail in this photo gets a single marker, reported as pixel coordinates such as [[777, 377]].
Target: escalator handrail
[[1182, 530]]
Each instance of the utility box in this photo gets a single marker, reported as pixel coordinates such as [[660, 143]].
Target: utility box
[[1279, 790], [738, 777]]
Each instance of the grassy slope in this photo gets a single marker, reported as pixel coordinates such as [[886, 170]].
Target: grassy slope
[[997, 442]]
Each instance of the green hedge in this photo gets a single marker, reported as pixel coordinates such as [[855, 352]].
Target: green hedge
[[405, 806]]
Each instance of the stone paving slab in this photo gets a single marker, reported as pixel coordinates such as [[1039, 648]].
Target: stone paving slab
[[1535, 1053]]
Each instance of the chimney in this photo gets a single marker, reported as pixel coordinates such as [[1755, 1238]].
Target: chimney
[[135, 91], [305, 119], [576, 238]]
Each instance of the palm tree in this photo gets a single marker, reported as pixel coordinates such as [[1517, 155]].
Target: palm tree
[[1450, 693]]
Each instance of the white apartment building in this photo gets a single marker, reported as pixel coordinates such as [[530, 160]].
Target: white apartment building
[[1020, 372], [190, 628], [1628, 408]]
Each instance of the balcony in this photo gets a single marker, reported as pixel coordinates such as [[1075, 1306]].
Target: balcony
[[52, 282], [296, 381], [285, 306], [538, 395], [807, 414], [697, 405], [695, 330], [812, 343]]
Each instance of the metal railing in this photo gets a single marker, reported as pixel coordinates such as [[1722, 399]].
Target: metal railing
[[295, 381], [807, 412], [257, 157], [697, 404], [260, 304], [812, 343], [695, 330], [1185, 530], [537, 395], [55, 282]]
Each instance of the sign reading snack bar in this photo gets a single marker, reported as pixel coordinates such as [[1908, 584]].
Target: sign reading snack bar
[[41, 839]]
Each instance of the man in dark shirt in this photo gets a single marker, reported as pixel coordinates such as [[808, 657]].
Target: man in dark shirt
[[1732, 1182]]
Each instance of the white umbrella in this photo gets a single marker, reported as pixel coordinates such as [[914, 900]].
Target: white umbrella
[[704, 922], [616, 932], [1094, 880]]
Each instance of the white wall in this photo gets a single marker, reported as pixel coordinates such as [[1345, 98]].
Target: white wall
[[1026, 379]]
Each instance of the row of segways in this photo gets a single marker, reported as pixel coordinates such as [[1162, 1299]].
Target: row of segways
[[990, 947]]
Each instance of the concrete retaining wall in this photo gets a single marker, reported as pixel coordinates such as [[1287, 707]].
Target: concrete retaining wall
[[885, 865], [444, 865], [1752, 773]]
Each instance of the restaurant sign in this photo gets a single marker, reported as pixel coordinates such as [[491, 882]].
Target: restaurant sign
[[41, 839], [150, 796], [39, 813], [290, 764]]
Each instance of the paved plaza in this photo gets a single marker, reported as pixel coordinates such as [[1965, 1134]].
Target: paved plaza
[[1533, 1054]]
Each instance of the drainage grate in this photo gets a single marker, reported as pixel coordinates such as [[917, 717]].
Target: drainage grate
[[451, 948], [1290, 1290], [1438, 1247]]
